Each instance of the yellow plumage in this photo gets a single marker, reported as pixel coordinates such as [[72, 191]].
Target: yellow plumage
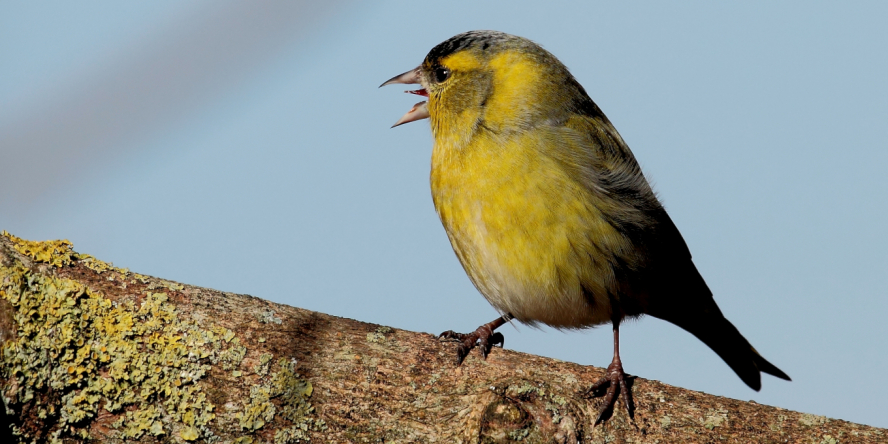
[[517, 236], [525, 225], [547, 208]]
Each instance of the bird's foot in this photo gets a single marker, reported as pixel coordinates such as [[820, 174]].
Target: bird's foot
[[483, 337], [614, 380]]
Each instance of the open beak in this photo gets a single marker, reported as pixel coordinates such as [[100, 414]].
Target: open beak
[[420, 110]]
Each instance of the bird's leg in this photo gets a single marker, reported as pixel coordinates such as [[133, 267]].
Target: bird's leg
[[614, 379], [483, 336]]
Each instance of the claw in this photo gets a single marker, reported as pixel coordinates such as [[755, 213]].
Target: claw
[[483, 336], [614, 380], [487, 343]]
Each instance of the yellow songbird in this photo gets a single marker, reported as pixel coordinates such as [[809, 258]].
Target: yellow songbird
[[547, 208]]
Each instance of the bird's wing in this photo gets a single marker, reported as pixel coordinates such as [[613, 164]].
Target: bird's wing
[[598, 157]]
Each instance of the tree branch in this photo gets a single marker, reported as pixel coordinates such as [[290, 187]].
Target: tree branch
[[94, 352]]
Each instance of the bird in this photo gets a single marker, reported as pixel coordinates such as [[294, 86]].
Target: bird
[[549, 212]]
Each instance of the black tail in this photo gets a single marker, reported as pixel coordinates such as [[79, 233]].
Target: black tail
[[724, 339], [690, 306], [678, 294]]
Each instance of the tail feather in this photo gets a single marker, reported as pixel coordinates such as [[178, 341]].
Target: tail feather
[[726, 341], [690, 306], [768, 368]]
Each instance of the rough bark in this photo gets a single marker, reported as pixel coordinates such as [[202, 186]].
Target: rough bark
[[93, 352]]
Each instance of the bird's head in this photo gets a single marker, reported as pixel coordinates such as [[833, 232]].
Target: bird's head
[[491, 79]]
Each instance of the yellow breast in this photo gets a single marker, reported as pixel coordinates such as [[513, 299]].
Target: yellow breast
[[530, 236]]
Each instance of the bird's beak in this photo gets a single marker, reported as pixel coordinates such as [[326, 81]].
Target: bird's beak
[[407, 78], [420, 110]]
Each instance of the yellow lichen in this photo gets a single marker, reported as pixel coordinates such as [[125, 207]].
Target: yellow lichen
[[97, 354], [60, 253], [261, 369], [293, 392], [232, 356], [99, 266], [56, 252], [189, 434], [76, 353]]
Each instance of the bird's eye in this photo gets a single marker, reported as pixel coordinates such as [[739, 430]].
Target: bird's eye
[[441, 74]]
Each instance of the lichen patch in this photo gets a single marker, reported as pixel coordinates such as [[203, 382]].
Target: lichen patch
[[98, 355], [56, 252], [81, 366]]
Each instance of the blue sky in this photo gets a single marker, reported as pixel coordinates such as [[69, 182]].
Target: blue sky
[[246, 147]]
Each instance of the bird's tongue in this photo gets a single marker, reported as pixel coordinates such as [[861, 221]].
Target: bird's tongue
[[418, 112]]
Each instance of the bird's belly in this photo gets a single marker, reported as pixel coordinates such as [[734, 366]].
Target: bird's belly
[[534, 246]]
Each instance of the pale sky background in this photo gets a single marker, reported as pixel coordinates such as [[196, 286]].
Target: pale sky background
[[246, 147]]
